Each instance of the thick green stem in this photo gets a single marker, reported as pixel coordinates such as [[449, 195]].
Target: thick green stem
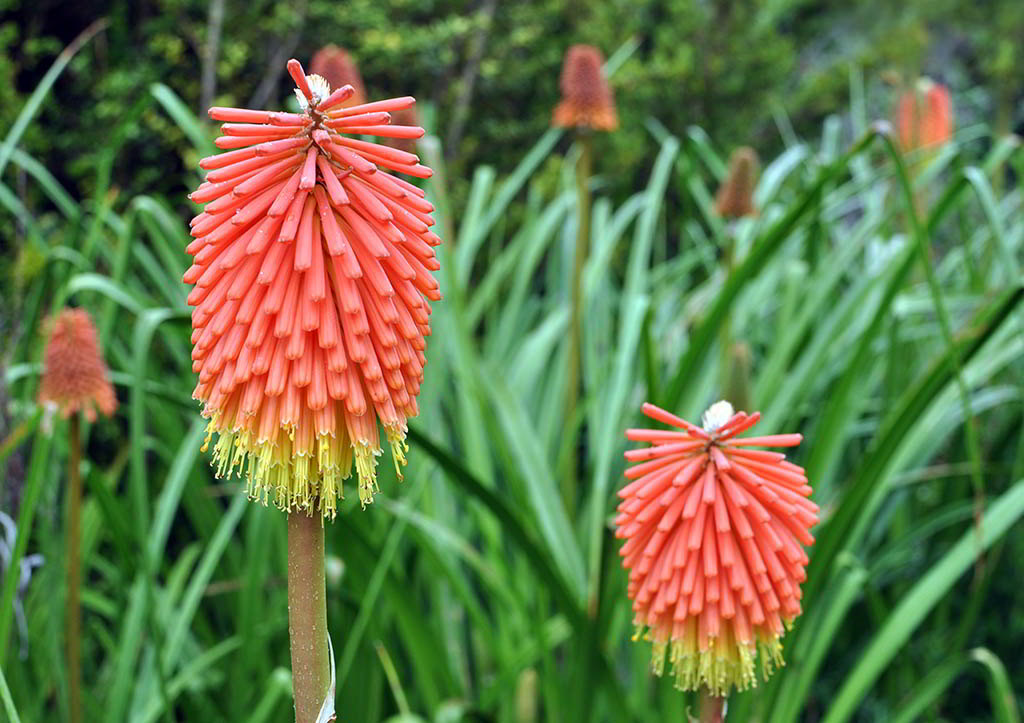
[[73, 611], [712, 708], [307, 615], [583, 167]]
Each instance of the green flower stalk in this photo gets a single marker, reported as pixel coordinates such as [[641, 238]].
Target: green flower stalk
[[75, 382], [587, 105]]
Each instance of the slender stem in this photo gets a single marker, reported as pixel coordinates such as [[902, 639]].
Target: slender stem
[[73, 612], [575, 316], [307, 615], [712, 708], [725, 330]]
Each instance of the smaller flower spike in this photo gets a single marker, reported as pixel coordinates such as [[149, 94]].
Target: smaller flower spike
[[713, 533], [924, 116], [587, 100], [74, 374], [336, 66], [735, 197], [312, 272]]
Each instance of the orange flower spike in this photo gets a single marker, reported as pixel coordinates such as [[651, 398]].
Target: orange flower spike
[[587, 99], [75, 377], [735, 197], [713, 534], [924, 116], [311, 272]]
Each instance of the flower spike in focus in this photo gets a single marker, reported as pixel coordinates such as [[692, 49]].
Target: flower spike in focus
[[75, 377], [312, 273], [713, 536]]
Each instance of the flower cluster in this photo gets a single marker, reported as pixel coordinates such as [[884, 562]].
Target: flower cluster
[[587, 100], [735, 197], [75, 376], [713, 533], [312, 271]]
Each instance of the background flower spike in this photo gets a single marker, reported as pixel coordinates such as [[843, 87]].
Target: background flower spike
[[587, 99], [75, 377]]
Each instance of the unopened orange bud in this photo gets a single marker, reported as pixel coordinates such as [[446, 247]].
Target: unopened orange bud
[[924, 116], [75, 376], [735, 198]]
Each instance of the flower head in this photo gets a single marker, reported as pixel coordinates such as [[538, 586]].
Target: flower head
[[587, 100], [735, 197], [311, 264], [74, 374], [713, 533], [336, 66], [924, 116]]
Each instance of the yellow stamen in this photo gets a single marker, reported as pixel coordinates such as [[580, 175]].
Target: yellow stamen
[[366, 469], [297, 479], [725, 663], [399, 448]]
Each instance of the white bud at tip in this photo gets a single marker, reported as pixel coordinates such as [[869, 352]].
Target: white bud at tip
[[321, 90], [716, 415]]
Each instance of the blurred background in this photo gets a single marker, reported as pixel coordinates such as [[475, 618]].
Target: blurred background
[[871, 301]]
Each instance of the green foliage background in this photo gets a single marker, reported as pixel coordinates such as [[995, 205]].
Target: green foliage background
[[747, 69]]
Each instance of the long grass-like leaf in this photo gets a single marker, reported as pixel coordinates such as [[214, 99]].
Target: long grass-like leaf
[[916, 604], [35, 101], [836, 535], [182, 115], [26, 517], [634, 309], [702, 337], [8, 701]]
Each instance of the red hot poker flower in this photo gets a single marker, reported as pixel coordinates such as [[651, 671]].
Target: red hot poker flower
[[713, 533], [735, 197], [311, 264], [587, 100], [924, 116], [75, 376]]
